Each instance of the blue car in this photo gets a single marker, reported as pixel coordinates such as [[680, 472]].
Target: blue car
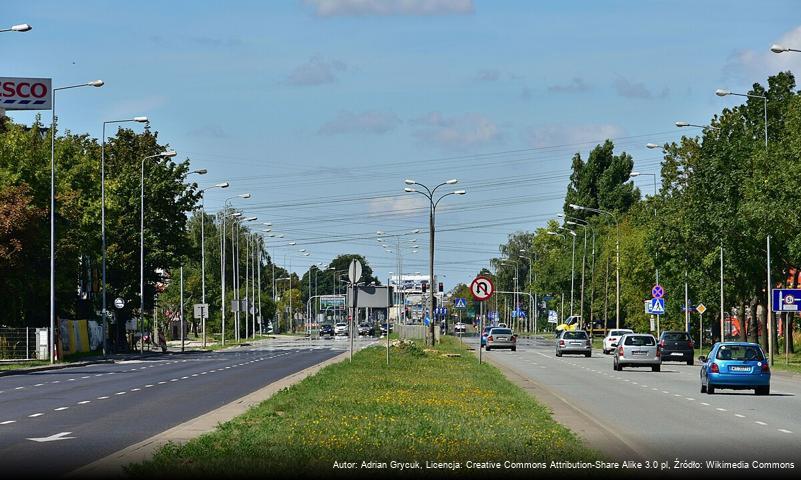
[[736, 366], [484, 335]]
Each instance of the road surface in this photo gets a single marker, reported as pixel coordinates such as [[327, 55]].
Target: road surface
[[55, 421]]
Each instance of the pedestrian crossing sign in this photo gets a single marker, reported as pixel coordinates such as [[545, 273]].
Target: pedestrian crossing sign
[[656, 306], [460, 303]]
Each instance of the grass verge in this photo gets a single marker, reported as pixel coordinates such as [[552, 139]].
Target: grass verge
[[424, 407]]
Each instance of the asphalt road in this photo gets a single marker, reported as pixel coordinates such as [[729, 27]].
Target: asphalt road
[[663, 415], [86, 413]]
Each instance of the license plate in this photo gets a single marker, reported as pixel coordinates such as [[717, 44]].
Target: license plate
[[575, 343], [677, 354], [740, 369], [502, 339], [637, 352]]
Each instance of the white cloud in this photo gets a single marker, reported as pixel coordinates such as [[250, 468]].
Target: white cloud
[[628, 89], [317, 71], [406, 205], [745, 65], [372, 122], [555, 135], [470, 130], [331, 8]]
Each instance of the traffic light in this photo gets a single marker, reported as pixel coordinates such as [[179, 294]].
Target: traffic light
[[440, 287]]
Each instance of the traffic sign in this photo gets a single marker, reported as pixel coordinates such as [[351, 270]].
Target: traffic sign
[[700, 308], [786, 299], [656, 306], [482, 288], [200, 310], [119, 302], [552, 316], [355, 271], [657, 291], [459, 302]]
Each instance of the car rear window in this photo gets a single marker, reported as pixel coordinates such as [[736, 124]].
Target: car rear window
[[740, 352], [639, 341], [501, 331], [575, 335], [677, 336], [617, 333]]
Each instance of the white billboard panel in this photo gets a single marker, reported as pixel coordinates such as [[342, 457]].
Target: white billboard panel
[[25, 93]]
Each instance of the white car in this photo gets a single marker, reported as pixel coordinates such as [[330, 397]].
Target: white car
[[610, 342], [460, 328], [341, 328]]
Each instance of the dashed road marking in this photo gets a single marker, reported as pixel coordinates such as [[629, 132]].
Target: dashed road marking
[[35, 415], [120, 393], [739, 416], [760, 423], [7, 422], [704, 404], [19, 388], [102, 398], [148, 385], [84, 402], [721, 409], [784, 431], [60, 409]]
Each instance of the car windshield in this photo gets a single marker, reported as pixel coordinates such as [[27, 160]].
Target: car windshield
[[639, 340], [676, 336], [617, 333], [740, 352], [501, 331], [575, 335], [342, 324]]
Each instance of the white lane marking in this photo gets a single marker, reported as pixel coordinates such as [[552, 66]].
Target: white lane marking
[[86, 377], [38, 384], [203, 373], [102, 398], [148, 385], [173, 379], [760, 423], [120, 393], [184, 378], [634, 383], [690, 399], [135, 389], [194, 374], [19, 388], [665, 391], [71, 380], [739, 416], [784, 431], [721, 409], [84, 402], [704, 404], [99, 375], [35, 415], [162, 383], [60, 409], [53, 438], [56, 381], [8, 422]]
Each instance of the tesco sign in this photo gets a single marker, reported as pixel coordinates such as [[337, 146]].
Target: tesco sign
[[25, 93]]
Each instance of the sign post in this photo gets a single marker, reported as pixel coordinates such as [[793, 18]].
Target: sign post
[[482, 289], [701, 309], [354, 275]]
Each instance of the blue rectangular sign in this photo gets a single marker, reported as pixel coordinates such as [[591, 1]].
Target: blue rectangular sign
[[786, 299], [655, 306]]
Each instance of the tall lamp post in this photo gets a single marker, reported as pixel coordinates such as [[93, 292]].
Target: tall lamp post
[[205, 312], [223, 217], [104, 310], [167, 154], [93, 83], [429, 194], [617, 255]]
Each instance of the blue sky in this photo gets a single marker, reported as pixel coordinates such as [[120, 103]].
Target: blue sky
[[320, 108]]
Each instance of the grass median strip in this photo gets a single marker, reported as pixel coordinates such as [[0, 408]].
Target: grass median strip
[[427, 406]]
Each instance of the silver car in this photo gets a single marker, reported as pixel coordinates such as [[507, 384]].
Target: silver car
[[637, 350], [573, 341], [501, 338]]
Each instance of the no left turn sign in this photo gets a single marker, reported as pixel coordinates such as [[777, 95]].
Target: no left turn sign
[[482, 288]]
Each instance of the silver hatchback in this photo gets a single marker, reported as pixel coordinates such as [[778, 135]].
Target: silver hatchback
[[501, 338], [573, 341], [637, 350]]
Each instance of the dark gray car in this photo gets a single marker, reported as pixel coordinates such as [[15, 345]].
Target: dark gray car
[[573, 341]]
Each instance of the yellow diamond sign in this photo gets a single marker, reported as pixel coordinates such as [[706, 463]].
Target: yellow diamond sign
[[700, 308]]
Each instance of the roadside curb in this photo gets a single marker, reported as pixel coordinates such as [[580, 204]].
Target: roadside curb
[[112, 465], [596, 434], [43, 368]]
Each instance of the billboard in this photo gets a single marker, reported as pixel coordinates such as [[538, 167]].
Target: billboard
[[25, 93], [332, 301], [408, 283]]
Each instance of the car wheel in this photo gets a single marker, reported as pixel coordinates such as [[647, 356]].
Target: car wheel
[[690, 362], [588, 354], [558, 353], [703, 388], [762, 390], [656, 368], [514, 349], [710, 389], [488, 348]]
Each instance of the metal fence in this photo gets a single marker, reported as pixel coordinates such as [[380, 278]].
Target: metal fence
[[19, 343]]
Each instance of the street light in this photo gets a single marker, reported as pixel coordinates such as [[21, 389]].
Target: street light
[[103, 217], [723, 93], [167, 154], [93, 83], [22, 27], [223, 217], [776, 48], [202, 192], [429, 194], [617, 255]]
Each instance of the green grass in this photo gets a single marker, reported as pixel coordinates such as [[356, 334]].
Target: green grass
[[425, 406]]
